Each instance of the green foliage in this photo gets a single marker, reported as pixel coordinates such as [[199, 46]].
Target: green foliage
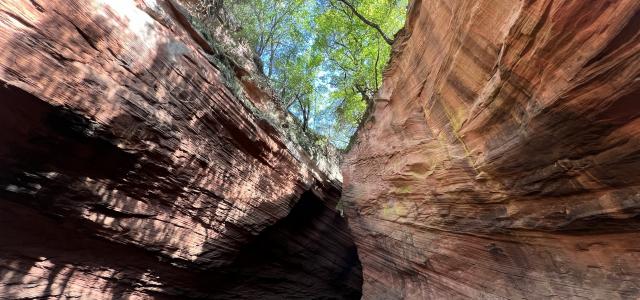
[[324, 57]]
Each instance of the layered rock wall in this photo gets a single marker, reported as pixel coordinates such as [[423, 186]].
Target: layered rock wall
[[509, 167], [135, 164]]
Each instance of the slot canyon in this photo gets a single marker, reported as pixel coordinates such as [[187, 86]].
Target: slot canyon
[[499, 159]]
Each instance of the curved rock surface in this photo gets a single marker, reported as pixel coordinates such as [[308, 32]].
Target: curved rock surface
[[133, 168], [511, 154]]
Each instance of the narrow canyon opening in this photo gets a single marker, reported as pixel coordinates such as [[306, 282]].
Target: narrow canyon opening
[[333, 149]]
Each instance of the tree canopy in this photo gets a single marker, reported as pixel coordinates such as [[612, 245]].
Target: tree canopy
[[324, 57]]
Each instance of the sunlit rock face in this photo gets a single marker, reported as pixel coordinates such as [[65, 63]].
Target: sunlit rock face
[[131, 169], [502, 157]]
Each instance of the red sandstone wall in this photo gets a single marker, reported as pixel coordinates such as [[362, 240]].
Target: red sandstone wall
[[129, 167], [511, 154]]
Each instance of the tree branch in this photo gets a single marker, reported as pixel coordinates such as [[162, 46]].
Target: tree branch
[[377, 60], [366, 21]]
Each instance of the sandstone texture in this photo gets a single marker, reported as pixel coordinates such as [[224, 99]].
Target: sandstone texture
[[139, 161], [502, 156]]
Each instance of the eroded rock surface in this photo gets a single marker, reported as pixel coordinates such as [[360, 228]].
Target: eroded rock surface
[[133, 167], [509, 167]]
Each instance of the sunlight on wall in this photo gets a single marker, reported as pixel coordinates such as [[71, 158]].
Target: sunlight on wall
[[137, 23]]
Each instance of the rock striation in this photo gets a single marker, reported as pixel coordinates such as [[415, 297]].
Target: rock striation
[[511, 154], [138, 162]]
